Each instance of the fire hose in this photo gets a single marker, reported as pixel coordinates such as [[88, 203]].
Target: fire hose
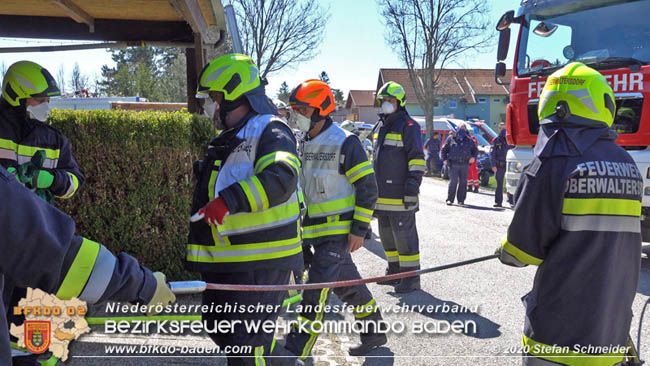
[[193, 287]]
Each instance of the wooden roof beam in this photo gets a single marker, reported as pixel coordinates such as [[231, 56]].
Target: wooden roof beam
[[76, 13], [191, 12]]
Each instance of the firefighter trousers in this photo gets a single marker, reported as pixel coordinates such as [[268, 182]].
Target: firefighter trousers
[[227, 308], [399, 237], [331, 262], [458, 173]]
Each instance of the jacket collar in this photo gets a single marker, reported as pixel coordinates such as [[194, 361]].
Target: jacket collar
[[395, 116]]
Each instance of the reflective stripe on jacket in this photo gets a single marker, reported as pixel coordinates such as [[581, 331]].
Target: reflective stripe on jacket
[[329, 193], [398, 162], [21, 138], [577, 217], [264, 236]]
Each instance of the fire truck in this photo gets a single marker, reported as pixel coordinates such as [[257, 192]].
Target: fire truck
[[611, 36]]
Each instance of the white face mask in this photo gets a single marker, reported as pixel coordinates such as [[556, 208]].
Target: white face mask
[[303, 123], [387, 108], [39, 112], [210, 107]]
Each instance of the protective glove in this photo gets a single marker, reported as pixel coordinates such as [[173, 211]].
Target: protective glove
[[213, 213], [12, 170], [163, 295], [508, 259], [43, 179], [307, 256], [410, 201]]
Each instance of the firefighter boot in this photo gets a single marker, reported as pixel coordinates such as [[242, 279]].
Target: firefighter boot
[[371, 338], [393, 268], [408, 284], [281, 356]]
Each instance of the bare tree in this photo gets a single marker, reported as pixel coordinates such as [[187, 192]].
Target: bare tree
[[60, 78], [280, 33], [78, 81], [428, 35]]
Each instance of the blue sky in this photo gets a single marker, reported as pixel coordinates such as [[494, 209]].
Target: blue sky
[[352, 53]]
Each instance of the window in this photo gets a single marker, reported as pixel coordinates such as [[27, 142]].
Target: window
[[435, 103], [496, 100], [482, 100], [452, 104]]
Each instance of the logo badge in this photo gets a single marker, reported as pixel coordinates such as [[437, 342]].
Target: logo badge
[[37, 335]]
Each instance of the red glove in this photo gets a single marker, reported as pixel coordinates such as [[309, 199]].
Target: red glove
[[214, 212]]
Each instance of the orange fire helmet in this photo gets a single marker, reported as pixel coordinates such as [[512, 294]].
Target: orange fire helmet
[[314, 93]]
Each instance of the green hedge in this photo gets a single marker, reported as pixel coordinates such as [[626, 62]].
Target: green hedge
[[138, 169]]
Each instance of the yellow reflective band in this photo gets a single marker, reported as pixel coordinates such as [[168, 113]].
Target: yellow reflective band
[[212, 254], [567, 356], [391, 253], [601, 206], [331, 206], [521, 256], [361, 218], [394, 136], [364, 311], [274, 214], [80, 270], [408, 258], [213, 180], [29, 150], [359, 171], [374, 136], [417, 162], [308, 326], [277, 156], [249, 195], [363, 210], [261, 192], [390, 201], [319, 317], [74, 181], [259, 356], [328, 228], [357, 167]]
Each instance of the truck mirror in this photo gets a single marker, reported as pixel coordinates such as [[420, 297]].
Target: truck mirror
[[499, 72], [505, 20], [504, 44], [544, 29]]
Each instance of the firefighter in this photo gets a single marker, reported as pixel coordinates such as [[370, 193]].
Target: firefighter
[[472, 177], [399, 165], [26, 91], [498, 154], [247, 193], [577, 217], [24, 107], [50, 257], [340, 193], [433, 159], [457, 154]]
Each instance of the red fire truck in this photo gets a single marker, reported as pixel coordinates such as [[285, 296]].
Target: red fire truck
[[612, 36]]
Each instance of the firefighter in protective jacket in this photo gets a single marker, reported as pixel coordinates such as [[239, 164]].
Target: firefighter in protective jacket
[[577, 217], [340, 193], [24, 107], [247, 192], [399, 165], [51, 257], [26, 91]]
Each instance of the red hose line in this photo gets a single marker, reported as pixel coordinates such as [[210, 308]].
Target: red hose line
[[349, 283]]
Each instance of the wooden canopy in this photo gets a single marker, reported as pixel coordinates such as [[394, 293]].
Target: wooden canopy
[[185, 23]]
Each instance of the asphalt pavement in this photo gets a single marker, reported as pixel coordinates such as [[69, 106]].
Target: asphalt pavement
[[485, 328]]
